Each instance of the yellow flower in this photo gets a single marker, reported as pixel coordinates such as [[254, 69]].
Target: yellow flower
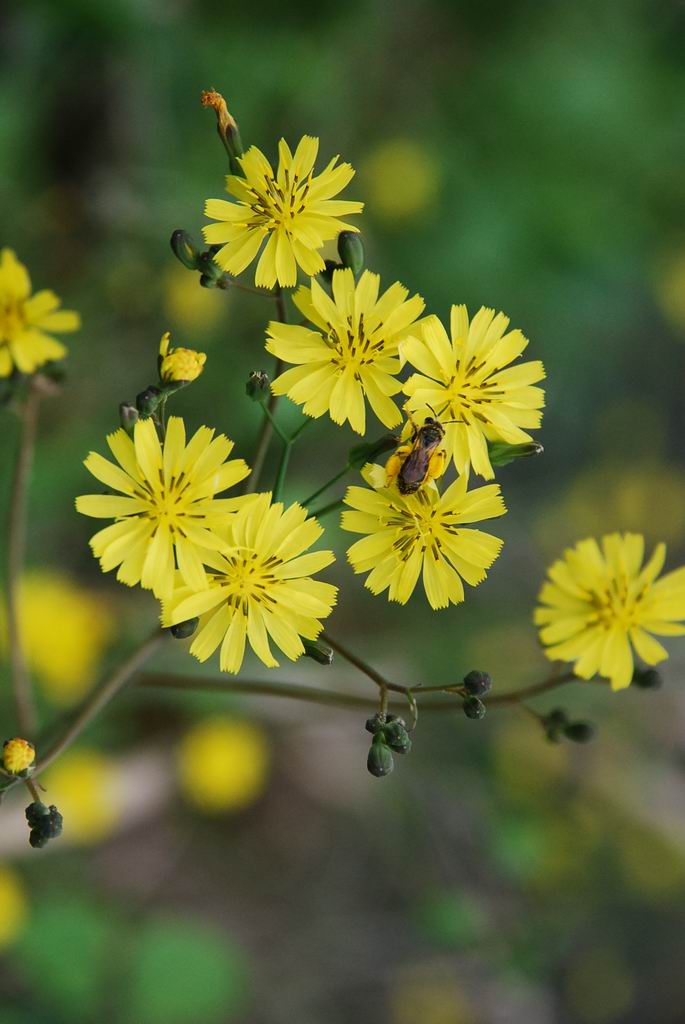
[[465, 380], [259, 586], [599, 601], [64, 629], [354, 353], [421, 531], [293, 208], [223, 764], [167, 504], [88, 790], [179, 364], [24, 319], [17, 755], [13, 906]]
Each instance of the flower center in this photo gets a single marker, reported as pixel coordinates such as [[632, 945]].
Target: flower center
[[249, 577], [274, 205], [417, 525], [616, 605], [467, 393], [354, 348], [12, 320], [170, 504]]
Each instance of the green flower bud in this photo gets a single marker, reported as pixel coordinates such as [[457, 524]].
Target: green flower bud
[[380, 760], [184, 250], [148, 401], [318, 652], [45, 823], [375, 724], [351, 251], [397, 737], [477, 683], [128, 417], [474, 708], [555, 724], [211, 272], [182, 630], [257, 387], [367, 452], [501, 453], [330, 266], [647, 679], [579, 732]]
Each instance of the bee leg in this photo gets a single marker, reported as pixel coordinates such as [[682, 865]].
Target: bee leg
[[437, 465], [394, 464]]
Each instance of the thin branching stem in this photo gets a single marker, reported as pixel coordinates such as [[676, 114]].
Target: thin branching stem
[[324, 487], [309, 694], [266, 430], [325, 509]]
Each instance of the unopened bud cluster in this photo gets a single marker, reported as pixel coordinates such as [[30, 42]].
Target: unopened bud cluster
[[45, 824], [390, 736], [475, 685], [558, 725]]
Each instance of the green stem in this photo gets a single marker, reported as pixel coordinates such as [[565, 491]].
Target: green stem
[[324, 487], [96, 700], [282, 470], [272, 420], [266, 430], [325, 509], [294, 691]]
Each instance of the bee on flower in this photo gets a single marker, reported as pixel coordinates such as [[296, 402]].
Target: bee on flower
[[166, 505], [351, 355], [259, 586], [421, 534], [179, 365], [468, 382], [292, 210], [600, 603], [27, 321]]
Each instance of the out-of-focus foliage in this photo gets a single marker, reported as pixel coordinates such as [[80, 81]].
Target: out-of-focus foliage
[[523, 156]]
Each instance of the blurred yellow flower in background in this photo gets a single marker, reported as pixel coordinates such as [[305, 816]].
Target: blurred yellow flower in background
[[65, 629], [85, 786], [621, 497], [599, 986], [13, 906], [425, 533], [293, 208], [599, 604], [401, 179], [223, 764], [25, 319], [669, 289], [352, 356], [466, 381], [190, 307], [428, 994]]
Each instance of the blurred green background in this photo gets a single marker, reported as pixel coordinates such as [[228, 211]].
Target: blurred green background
[[527, 156]]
